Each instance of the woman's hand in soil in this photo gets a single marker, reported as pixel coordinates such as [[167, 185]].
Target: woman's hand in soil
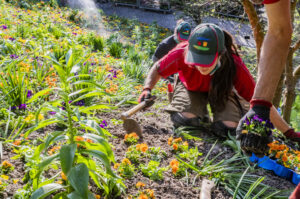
[[250, 142], [145, 95], [292, 135]]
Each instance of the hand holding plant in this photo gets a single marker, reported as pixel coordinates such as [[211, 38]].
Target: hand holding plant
[[255, 130]]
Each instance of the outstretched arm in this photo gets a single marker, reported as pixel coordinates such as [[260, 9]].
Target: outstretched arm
[[152, 77], [274, 50]]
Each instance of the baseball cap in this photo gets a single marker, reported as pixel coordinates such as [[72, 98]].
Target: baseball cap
[[205, 44], [183, 31]]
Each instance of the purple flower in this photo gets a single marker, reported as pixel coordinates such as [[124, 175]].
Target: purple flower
[[247, 121], [114, 73], [22, 106], [13, 108], [12, 39], [104, 122], [80, 103], [14, 56], [52, 112], [29, 93], [93, 64], [4, 27], [74, 33]]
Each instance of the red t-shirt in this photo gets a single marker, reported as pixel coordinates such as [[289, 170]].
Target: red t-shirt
[[269, 1], [193, 80]]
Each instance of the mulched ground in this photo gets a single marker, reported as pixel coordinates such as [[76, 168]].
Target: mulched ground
[[157, 128]]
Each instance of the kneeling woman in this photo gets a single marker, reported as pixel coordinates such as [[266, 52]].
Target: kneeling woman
[[209, 71]]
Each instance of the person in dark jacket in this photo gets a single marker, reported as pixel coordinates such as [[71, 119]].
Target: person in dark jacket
[[181, 33]]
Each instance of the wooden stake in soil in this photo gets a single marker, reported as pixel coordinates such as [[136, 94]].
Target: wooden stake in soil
[[206, 187]]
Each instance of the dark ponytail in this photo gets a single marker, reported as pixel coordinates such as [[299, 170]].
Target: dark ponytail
[[223, 79]]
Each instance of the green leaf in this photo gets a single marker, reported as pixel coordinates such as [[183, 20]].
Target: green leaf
[[46, 190], [41, 125], [79, 179], [50, 138], [75, 195], [103, 142], [94, 107], [47, 161], [103, 158], [39, 94], [67, 154], [92, 126], [69, 58]]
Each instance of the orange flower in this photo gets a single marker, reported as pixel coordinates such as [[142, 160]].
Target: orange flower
[[79, 138], [142, 147], [170, 140], [89, 141], [97, 196], [139, 185], [150, 192], [186, 143], [131, 135], [126, 161], [6, 164], [284, 158], [278, 155], [175, 147], [143, 196], [174, 163], [174, 169], [63, 176], [17, 142], [178, 140]]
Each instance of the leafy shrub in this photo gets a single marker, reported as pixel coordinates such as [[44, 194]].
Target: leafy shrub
[[115, 49], [98, 43], [152, 170]]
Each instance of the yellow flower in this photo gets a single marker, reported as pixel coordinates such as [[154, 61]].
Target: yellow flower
[[0, 182], [41, 117], [116, 165], [139, 185], [4, 177], [126, 161], [63, 176], [170, 140], [244, 131], [29, 118], [15, 181]]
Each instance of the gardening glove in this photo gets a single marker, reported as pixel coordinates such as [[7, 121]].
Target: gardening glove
[[250, 142], [145, 95], [292, 135]]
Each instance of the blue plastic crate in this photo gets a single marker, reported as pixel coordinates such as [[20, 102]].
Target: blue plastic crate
[[296, 178], [269, 164]]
